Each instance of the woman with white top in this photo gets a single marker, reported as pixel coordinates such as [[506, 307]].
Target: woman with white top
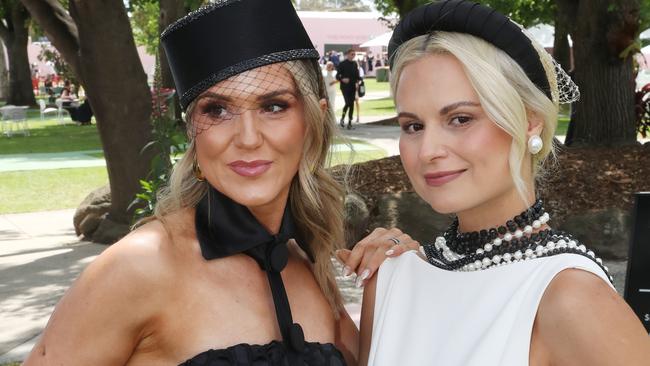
[[477, 102]]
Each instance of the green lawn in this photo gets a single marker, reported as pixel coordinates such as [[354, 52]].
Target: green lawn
[[39, 190], [49, 136], [373, 86]]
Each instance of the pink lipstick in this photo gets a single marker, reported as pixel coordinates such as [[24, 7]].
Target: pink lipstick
[[253, 168], [437, 179]]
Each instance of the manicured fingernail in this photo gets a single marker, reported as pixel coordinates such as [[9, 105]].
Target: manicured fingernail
[[362, 277], [390, 252], [347, 271]]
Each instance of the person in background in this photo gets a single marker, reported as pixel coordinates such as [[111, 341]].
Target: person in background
[[356, 94], [330, 84], [348, 74]]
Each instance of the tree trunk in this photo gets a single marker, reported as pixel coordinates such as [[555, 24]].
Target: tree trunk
[[4, 74], [170, 11], [97, 41], [606, 114], [564, 22], [15, 37]]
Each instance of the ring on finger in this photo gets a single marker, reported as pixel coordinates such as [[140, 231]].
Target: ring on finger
[[394, 240]]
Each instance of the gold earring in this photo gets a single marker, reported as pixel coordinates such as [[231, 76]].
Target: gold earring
[[197, 171]]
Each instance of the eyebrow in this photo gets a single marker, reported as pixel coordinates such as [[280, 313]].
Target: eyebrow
[[450, 107], [275, 94], [443, 111]]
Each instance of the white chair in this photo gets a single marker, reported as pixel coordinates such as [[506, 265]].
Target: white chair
[[60, 110], [14, 120], [45, 110]]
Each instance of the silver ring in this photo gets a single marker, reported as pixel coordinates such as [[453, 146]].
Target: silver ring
[[394, 240]]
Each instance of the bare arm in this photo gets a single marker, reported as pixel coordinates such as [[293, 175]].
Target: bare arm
[[347, 339], [367, 315], [583, 321], [103, 316]]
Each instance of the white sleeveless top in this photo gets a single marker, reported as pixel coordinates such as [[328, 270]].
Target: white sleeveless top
[[425, 315]]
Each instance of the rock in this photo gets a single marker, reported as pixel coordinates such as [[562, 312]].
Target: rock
[[90, 211], [109, 231], [605, 231], [409, 213], [356, 219]]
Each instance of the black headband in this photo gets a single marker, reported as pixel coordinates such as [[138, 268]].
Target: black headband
[[228, 37], [463, 16]]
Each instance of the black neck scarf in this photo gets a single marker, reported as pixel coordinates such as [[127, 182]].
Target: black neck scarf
[[225, 228]]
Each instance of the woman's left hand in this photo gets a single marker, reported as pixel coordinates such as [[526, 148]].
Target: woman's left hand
[[369, 253]]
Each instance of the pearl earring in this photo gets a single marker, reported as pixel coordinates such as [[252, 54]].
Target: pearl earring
[[535, 144]]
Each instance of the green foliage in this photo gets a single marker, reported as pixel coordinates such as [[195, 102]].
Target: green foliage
[[168, 139], [50, 54], [144, 21], [145, 17], [524, 12]]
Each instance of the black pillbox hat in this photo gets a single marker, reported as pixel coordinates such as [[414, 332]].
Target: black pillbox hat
[[228, 37]]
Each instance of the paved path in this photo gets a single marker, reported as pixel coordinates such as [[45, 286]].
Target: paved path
[[40, 256]]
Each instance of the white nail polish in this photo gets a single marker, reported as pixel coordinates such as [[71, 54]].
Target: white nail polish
[[347, 272], [390, 252]]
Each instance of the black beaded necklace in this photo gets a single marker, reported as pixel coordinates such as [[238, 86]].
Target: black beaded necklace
[[513, 242]]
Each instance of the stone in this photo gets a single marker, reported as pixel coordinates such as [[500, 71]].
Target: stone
[[605, 231], [409, 213], [93, 207], [356, 219], [109, 231]]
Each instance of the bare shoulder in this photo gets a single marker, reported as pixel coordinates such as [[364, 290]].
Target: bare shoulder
[[119, 293], [582, 320]]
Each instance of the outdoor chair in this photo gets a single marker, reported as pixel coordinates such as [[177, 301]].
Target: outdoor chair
[[45, 110], [60, 110], [14, 120]]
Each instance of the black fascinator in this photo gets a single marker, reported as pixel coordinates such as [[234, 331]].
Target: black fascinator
[[478, 20], [229, 37]]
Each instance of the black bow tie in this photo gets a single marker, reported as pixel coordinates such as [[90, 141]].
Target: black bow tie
[[225, 228]]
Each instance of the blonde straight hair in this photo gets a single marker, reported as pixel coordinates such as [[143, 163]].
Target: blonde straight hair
[[316, 198], [505, 92]]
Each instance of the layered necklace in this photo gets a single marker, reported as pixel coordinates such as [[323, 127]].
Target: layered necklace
[[519, 239]]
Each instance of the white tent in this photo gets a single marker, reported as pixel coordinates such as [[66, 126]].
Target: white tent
[[378, 41], [544, 34], [646, 50], [645, 34]]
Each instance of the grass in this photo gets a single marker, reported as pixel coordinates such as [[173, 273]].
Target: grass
[[53, 189], [373, 86], [49, 136]]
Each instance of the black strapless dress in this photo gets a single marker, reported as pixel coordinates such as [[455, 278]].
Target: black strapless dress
[[225, 228]]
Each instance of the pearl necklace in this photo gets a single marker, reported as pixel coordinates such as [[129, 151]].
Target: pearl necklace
[[522, 245]]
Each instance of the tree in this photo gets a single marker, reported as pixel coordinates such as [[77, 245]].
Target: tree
[[14, 26], [4, 74], [604, 34], [96, 41]]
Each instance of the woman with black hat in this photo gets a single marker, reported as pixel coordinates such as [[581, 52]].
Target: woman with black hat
[[235, 268], [477, 103]]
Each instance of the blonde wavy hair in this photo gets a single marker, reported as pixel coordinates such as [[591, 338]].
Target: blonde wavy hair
[[315, 198], [505, 92]]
